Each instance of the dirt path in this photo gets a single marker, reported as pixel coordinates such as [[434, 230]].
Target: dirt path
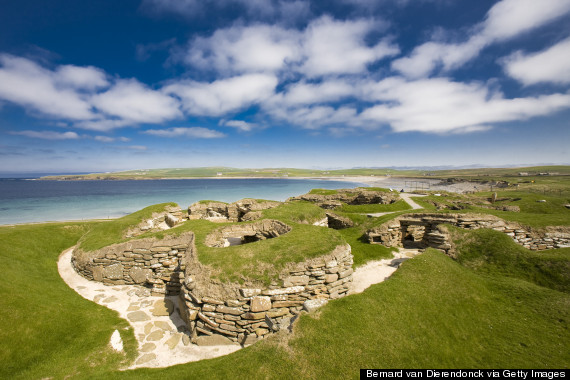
[[375, 272], [161, 334], [407, 197]]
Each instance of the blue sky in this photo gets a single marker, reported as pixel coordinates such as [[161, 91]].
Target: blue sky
[[113, 85]]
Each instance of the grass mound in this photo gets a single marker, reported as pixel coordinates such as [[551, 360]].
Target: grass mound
[[111, 232], [46, 329], [494, 253]]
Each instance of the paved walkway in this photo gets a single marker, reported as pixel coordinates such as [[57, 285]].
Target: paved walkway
[[407, 197], [159, 330], [375, 272]]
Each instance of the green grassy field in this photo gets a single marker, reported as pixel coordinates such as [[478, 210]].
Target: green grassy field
[[434, 312], [497, 306]]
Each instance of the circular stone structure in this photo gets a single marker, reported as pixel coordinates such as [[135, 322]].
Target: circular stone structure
[[246, 233]]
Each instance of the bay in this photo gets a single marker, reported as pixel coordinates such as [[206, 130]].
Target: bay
[[27, 201]]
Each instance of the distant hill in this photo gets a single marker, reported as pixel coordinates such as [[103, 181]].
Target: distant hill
[[227, 172]]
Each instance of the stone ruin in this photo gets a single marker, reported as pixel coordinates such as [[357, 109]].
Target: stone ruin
[[169, 218], [215, 312], [228, 313], [246, 233], [358, 196], [424, 230], [240, 211]]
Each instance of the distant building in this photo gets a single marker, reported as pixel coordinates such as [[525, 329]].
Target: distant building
[[523, 174], [219, 173]]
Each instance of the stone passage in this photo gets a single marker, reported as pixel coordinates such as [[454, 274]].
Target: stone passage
[[424, 230], [246, 233], [244, 315], [157, 264]]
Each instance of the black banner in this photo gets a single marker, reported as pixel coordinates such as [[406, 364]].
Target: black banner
[[518, 374]]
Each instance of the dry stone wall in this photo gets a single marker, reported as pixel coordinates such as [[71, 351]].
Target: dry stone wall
[[157, 264], [247, 233], [424, 230], [240, 211], [245, 315]]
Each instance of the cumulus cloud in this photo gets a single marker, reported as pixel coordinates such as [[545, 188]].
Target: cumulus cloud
[[440, 105], [47, 135], [338, 47], [240, 125], [193, 132], [277, 10], [224, 95], [325, 47], [550, 65], [505, 20], [107, 139], [26, 83], [245, 49], [131, 100]]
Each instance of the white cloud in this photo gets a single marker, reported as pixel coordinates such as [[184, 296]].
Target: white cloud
[[550, 65], [131, 100], [27, 84], [88, 78], [108, 139], [505, 20], [48, 135], [325, 47], [509, 18], [303, 93], [245, 49], [240, 125], [193, 132], [338, 47], [224, 95], [103, 125], [441, 106]]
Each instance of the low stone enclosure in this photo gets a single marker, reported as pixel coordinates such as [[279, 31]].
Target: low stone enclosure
[[426, 230], [219, 313], [358, 196], [226, 313], [246, 233], [240, 211], [157, 264]]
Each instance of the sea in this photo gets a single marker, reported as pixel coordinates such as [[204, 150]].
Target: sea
[[28, 200]]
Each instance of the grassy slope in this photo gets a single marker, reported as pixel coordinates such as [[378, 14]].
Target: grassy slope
[[46, 329], [532, 213], [111, 232], [432, 313]]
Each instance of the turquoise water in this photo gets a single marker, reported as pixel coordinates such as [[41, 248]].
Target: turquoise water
[[25, 201]]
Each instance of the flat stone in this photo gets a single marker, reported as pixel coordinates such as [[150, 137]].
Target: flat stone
[[162, 308], [331, 278], [260, 303], [163, 325], [249, 340], [148, 347], [110, 299], [213, 340], [289, 290], [173, 341], [296, 280], [133, 308], [311, 305], [98, 298], [113, 272], [146, 358], [138, 316], [186, 340], [155, 335], [98, 274], [229, 310], [140, 275], [148, 328], [249, 292]]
